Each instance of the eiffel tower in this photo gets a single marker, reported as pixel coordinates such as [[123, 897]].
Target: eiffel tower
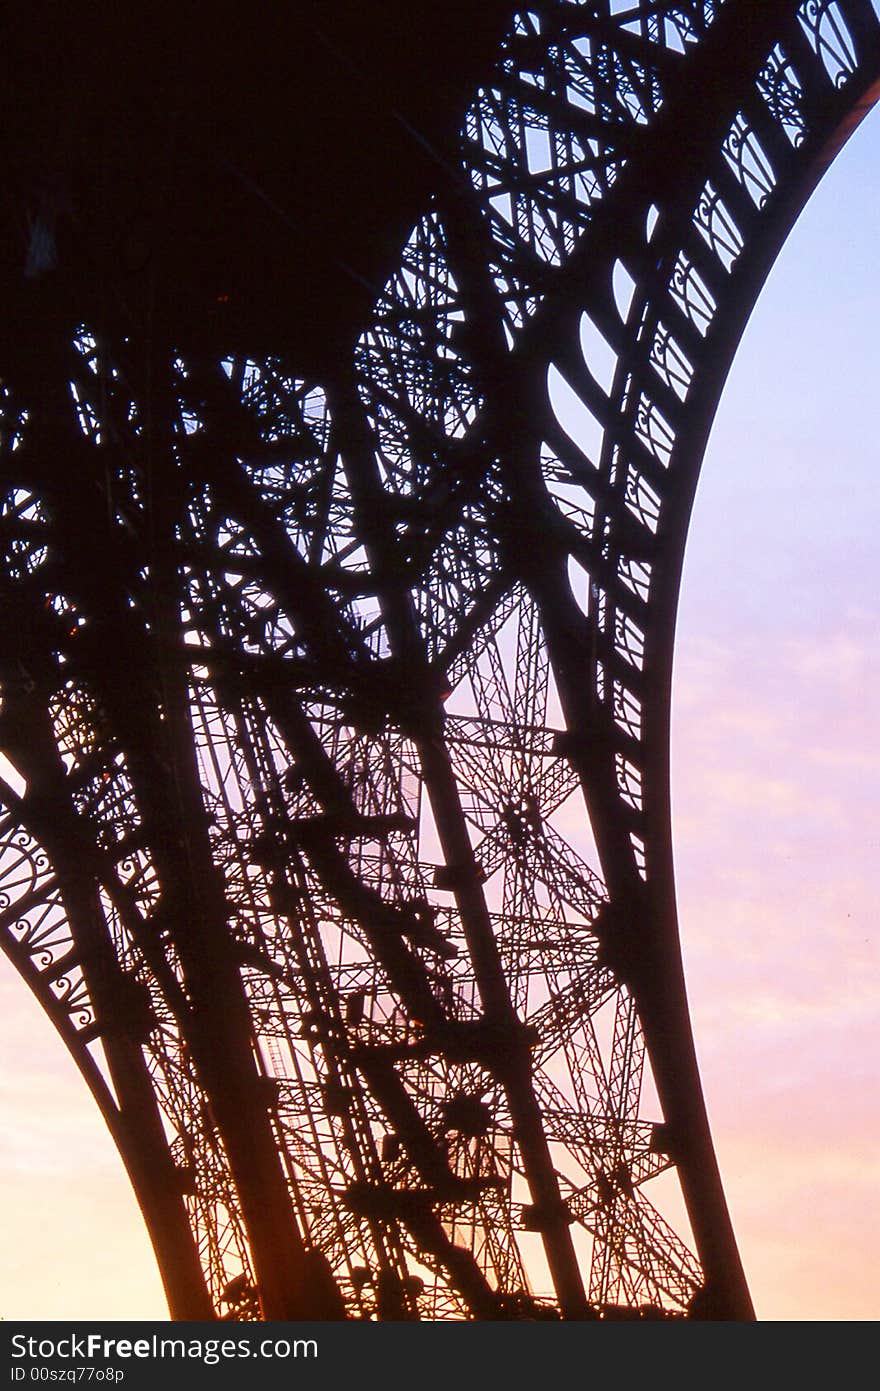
[[355, 376]]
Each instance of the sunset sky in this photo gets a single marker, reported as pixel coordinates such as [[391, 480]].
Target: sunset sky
[[776, 817], [776, 761]]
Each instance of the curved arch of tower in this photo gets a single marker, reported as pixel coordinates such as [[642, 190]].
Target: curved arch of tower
[[335, 834]]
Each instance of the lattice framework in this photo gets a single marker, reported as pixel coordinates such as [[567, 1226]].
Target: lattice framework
[[307, 687]]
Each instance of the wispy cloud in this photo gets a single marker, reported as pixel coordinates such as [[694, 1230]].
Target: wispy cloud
[[775, 781]]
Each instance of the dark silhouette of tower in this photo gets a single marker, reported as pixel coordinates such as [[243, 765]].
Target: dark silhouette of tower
[[329, 628]]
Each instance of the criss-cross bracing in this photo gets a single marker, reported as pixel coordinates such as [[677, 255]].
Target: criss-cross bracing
[[335, 716]]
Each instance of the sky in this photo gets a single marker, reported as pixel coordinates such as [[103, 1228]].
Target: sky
[[776, 817], [776, 808]]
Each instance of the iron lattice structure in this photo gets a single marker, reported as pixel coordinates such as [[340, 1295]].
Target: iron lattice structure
[[307, 687]]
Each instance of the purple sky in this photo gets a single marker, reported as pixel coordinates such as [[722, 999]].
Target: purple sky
[[775, 762]]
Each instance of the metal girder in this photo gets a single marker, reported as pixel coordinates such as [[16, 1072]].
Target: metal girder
[[338, 846]]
